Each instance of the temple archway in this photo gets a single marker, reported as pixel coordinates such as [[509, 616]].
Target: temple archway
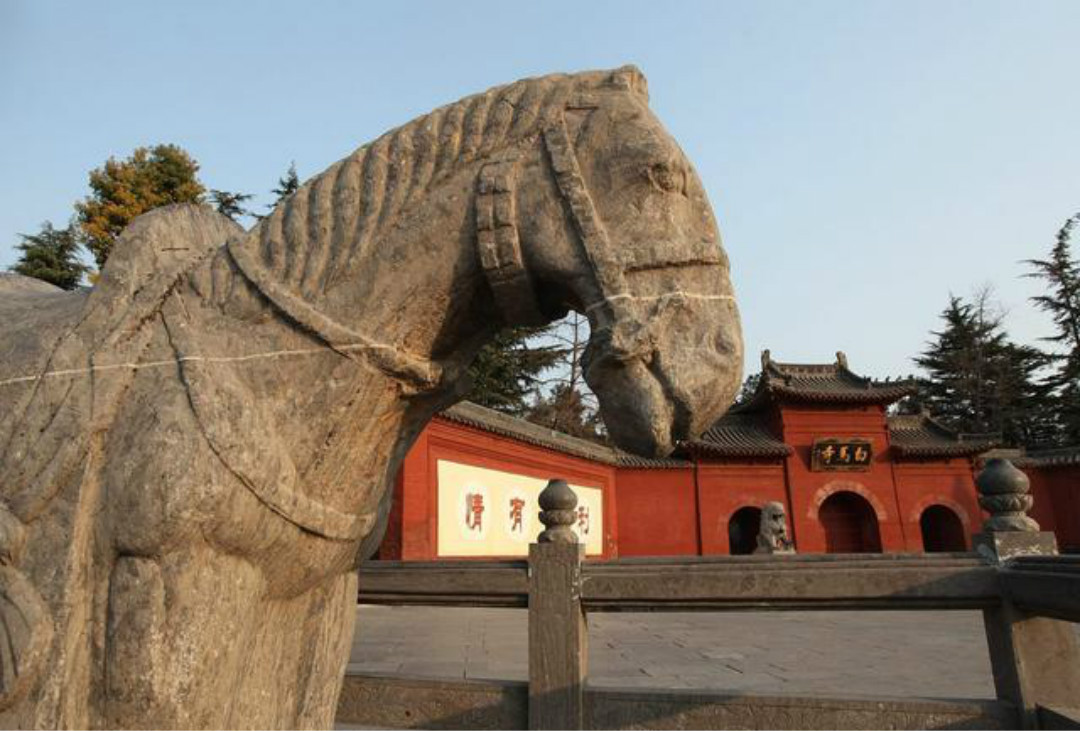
[[743, 529], [850, 524], [942, 530]]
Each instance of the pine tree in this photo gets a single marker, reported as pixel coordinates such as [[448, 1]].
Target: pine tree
[[507, 370], [230, 204], [1061, 273], [566, 410], [51, 255], [124, 189], [564, 401], [286, 186], [1021, 409], [980, 382]]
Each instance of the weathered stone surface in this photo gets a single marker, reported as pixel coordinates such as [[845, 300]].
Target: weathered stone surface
[[557, 502], [373, 701], [1003, 493], [195, 454]]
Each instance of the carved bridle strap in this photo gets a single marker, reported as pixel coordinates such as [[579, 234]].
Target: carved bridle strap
[[608, 272], [595, 245], [417, 374], [500, 246]]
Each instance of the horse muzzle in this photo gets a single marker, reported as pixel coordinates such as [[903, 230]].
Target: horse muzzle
[[668, 381]]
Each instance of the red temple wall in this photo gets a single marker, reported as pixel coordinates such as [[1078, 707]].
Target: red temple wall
[[1042, 490], [684, 511], [724, 488], [950, 483], [1056, 491], [801, 426], [418, 516], [656, 512]]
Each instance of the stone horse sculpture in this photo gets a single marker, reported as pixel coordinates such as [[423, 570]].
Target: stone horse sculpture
[[195, 455]]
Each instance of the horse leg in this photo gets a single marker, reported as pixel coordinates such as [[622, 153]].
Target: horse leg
[[177, 629], [297, 663]]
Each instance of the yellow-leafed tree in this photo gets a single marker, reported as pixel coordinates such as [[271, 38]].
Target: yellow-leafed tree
[[123, 189]]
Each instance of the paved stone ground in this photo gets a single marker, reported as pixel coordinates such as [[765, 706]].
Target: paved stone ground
[[898, 654]]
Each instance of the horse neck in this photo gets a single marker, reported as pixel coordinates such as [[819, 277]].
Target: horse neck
[[341, 422], [410, 300]]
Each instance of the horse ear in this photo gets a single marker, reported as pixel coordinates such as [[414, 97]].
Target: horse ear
[[629, 78]]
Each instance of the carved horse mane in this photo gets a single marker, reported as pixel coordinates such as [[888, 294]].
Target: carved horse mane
[[325, 231], [327, 225]]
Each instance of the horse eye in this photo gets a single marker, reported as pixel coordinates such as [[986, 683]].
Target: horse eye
[[667, 177]]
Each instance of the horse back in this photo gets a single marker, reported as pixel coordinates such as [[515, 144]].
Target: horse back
[[66, 356]]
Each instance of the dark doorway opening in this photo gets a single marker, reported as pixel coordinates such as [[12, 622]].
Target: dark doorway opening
[[850, 524], [942, 530], [743, 529]]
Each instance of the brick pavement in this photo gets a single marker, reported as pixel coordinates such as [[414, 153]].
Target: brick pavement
[[936, 654]]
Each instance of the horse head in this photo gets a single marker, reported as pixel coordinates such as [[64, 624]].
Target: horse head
[[610, 219], [580, 200]]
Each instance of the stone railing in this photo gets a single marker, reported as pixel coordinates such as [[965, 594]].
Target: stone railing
[[1027, 594]]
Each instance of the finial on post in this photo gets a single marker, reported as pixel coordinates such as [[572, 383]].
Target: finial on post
[[1003, 493], [557, 512], [1009, 531]]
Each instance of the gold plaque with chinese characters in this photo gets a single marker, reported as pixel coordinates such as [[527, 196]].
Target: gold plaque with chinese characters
[[840, 454]]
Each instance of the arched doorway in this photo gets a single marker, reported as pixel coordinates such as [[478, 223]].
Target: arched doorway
[[942, 530], [742, 530], [850, 524]]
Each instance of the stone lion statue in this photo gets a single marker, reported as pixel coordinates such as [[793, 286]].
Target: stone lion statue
[[773, 534]]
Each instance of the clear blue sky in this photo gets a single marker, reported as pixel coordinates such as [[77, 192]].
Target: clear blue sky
[[865, 159]]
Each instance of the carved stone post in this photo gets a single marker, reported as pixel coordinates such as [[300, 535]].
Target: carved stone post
[[558, 643], [1009, 531], [1036, 660]]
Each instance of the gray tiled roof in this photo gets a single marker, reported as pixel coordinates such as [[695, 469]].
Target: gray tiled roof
[[496, 422], [1060, 457], [633, 461], [739, 435], [828, 382], [919, 435]]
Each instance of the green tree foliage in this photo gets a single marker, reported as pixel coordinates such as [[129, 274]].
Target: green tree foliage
[[536, 373], [1061, 274], [507, 370], [567, 410], [230, 204], [978, 381], [51, 255], [564, 401], [286, 186], [123, 189]]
